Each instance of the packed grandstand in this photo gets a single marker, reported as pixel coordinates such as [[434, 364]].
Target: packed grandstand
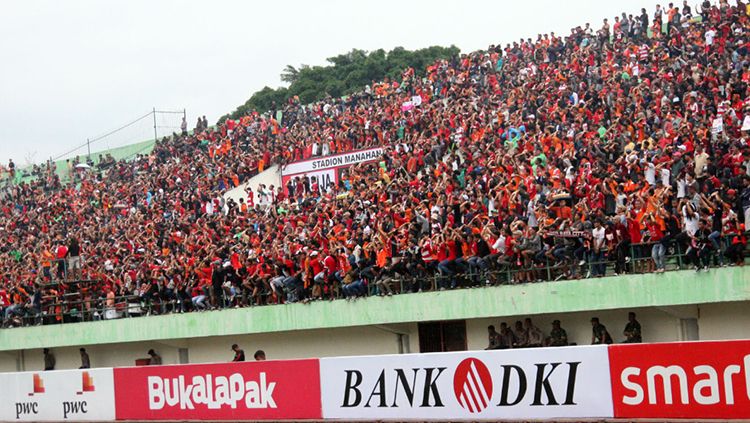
[[600, 152]]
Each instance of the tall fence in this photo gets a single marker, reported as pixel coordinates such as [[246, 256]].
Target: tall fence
[[124, 142]]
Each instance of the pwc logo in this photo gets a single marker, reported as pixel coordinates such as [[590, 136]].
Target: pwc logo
[[472, 384], [87, 383], [38, 385]]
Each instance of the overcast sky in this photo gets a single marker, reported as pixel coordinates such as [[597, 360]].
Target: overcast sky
[[74, 69]]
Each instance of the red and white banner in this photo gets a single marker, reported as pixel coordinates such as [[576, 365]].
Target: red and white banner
[[75, 395], [266, 390], [681, 380], [571, 382], [326, 169]]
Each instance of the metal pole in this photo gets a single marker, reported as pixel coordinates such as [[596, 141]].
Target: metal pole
[[154, 112], [88, 147]]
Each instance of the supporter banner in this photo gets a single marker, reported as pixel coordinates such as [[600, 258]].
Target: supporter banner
[[76, 395], [569, 382], [688, 380], [332, 162], [266, 390], [322, 177]]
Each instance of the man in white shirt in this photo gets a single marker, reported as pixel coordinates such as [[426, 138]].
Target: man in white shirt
[[710, 35], [598, 266], [690, 218]]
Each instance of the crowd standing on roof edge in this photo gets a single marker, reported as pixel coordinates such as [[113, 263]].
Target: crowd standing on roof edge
[[613, 145]]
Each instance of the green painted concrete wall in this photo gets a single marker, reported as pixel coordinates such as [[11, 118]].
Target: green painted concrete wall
[[672, 288]]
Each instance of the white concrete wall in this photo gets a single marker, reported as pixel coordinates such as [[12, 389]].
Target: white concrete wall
[[715, 322], [725, 321], [270, 176]]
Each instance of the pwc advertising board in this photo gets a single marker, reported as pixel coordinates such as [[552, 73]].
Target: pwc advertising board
[[269, 390], [532, 383], [689, 380], [74, 395]]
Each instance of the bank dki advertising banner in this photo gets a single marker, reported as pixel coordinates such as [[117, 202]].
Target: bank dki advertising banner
[[265, 390], [76, 395], [326, 169], [569, 382], [687, 380]]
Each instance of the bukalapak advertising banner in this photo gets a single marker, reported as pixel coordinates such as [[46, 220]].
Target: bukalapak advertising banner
[[247, 391], [567, 382]]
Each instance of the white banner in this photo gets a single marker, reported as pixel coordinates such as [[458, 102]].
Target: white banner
[[567, 382], [76, 395], [332, 162], [322, 177]]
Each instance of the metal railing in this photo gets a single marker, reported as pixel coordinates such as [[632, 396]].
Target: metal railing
[[81, 304]]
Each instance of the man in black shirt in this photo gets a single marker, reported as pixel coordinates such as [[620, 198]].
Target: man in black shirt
[[632, 330], [644, 24], [239, 354], [700, 247], [74, 258], [557, 337], [49, 360], [599, 334], [493, 338], [217, 280]]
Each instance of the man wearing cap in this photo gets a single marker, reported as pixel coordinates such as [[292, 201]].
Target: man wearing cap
[[239, 354]]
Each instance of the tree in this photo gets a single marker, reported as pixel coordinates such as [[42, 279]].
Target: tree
[[289, 74], [345, 74]]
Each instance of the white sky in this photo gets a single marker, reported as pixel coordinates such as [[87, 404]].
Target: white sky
[[75, 69]]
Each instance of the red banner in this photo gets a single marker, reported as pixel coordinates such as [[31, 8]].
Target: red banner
[[688, 380], [266, 390]]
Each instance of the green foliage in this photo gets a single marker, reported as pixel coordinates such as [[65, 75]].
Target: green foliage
[[345, 74]]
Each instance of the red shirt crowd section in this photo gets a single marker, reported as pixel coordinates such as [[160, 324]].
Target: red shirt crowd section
[[568, 150]]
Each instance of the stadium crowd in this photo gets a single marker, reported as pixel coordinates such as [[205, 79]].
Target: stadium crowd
[[548, 158]]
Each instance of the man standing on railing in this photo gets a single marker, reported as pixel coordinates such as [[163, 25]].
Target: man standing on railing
[[74, 258]]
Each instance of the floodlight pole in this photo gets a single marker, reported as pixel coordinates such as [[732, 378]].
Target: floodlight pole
[[154, 124], [88, 148]]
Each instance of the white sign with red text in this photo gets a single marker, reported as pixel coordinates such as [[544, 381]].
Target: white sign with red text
[[74, 395], [570, 382]]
